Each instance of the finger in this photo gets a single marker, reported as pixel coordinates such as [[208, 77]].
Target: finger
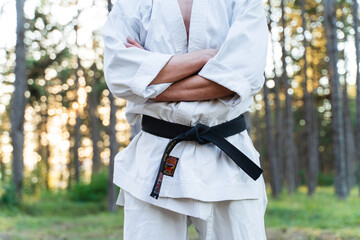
[[131, 41], [134, 42], [138, 44], [128, 45]]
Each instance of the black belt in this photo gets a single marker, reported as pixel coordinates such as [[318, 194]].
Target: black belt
[[201, 134]]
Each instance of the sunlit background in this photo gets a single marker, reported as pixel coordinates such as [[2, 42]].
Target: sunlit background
[[54, 135]]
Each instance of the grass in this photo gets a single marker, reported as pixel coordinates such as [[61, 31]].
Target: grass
[[322, 216], [298, 216]]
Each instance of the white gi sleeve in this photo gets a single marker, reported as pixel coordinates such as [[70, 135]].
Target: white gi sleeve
[[240, 63], [129, 71]]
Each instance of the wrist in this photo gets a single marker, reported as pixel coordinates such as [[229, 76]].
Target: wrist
[[208, 54], [205, 59]]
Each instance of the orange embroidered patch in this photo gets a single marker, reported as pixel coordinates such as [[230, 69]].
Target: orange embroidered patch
[[170, 166]]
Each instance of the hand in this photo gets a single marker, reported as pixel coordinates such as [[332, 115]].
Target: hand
[[133, 43]]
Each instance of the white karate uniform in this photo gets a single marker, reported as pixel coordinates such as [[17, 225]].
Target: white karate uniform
[[227, 220], [238, 30]]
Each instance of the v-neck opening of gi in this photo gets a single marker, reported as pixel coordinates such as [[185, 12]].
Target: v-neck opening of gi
[[177, 26], [188, 37]]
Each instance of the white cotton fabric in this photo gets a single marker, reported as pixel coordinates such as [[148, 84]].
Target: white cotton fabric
[[238, 29], [235, 220]]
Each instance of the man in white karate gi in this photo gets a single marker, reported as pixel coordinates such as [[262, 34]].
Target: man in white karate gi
[[193, 65]]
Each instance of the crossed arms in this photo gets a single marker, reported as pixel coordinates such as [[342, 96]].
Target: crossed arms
[[237, 69], [181, 70]]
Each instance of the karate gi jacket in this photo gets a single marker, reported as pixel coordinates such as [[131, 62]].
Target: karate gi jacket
[[238, 30]]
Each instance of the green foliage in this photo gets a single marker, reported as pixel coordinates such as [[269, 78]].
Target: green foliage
[[320, 211], [58, 204], [7, 195], [95, 191], [325, 179], [302, 177], [90, 226]]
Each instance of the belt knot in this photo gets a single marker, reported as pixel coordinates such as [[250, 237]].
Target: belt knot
[[201, 134], [195, 133]]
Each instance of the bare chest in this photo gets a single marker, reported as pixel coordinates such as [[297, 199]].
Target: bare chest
[[185, 8]]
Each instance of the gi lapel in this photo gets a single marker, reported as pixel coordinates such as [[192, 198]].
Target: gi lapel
[[197, 38], [175, 23]]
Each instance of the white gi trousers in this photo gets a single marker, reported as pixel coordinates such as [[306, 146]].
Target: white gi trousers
[[226, 220]]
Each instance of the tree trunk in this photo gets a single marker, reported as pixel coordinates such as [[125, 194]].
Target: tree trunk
[[2, 169], [256, 131], [349, 140], [76, 148], [315, 128], [356, 26], [95, 124], [78, 118], [19, 101], [70, 164], [270, 146], [315, 119], [114, 148], [247, 116], [47, 166], [312, 164], [279, 128], [44, 150], [349, 137], [337, 116], [290, 152], [77, 130], [274, 166]]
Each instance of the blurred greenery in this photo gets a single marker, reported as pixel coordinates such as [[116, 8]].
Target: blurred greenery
[[56, 216], [7, 196], [95, 191], [321, 211], [325, 179]]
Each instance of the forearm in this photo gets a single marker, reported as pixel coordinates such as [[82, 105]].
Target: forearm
[[182, 66], [193, 88], [179, 66]]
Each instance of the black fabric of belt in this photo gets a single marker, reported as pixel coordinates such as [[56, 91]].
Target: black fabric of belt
[[201, 134]]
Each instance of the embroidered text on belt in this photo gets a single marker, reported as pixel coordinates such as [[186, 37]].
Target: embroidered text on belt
[[201, 134]]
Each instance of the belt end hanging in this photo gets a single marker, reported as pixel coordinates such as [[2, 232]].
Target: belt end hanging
[[156, 189]]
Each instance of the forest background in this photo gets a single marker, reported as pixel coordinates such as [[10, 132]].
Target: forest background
[[60, 127]]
